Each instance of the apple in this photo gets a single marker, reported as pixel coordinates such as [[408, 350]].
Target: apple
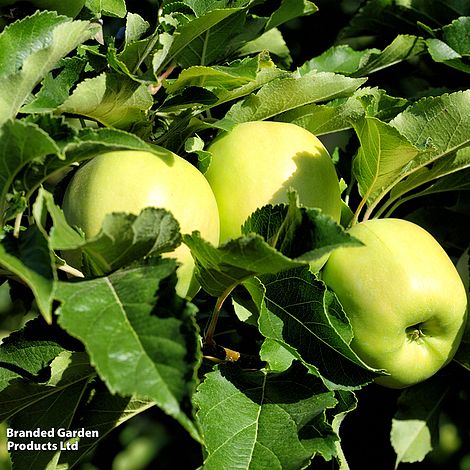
[[129, 181], [256, 163], [403, 296]]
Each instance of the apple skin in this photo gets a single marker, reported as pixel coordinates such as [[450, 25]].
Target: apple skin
[[403, 296], [256, 163], [129, 181]]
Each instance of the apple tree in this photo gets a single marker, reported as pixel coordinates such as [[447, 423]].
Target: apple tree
[[315, 133]]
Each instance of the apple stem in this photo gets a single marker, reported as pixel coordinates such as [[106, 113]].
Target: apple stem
[[153, 89], [17, 226], [210, 331]]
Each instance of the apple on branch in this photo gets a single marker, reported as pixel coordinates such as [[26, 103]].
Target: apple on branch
[[129, 181], [256, 163], [403, 296]]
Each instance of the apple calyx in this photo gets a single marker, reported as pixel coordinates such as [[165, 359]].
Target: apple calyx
[[415, 333]]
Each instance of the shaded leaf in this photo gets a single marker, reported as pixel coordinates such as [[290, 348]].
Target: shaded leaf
[[221, 268], [33, 347], [298, 232], [67, 370], [29, 258], [20, 144], [308, 320], [415, 426], [103, 413]]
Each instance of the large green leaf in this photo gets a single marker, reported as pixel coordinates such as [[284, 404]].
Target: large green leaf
[[285, 94], [440, 128], [140, 337], [29, 49], [259, 420], [379, 163]]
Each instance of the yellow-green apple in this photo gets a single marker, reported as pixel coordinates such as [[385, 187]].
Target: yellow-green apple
[[129, 181], [256, 163], [403, 296]]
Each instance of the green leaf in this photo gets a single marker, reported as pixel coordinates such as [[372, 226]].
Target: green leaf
[[66, 370], [440, 128], [341, 114], [438, 124], [191, 40], [450, 173], [32, 348], [61, 235], [136, 26], [297, 232], [116, 8], [290, 9], [403, 47], [111, 99], [123, 238], [453, 47], [442, 52], [50, 406], [344, 59], [281, 95], [278, 357], [415, 426], [456, 35], [29, 49], [29, 258], [277, 408], [234, 75], [219, 269], [308, 320], [126, 237], [341, 59], [55, 87], [103, 413], [380, 161], [20, 144], [143, 340]]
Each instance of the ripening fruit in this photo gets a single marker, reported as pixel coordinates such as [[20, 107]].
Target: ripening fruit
[[256, 163], [403, 296], [129, 181]]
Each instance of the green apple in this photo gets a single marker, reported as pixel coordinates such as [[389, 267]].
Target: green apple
[[256, 163], [129, 181], [403, 296]]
